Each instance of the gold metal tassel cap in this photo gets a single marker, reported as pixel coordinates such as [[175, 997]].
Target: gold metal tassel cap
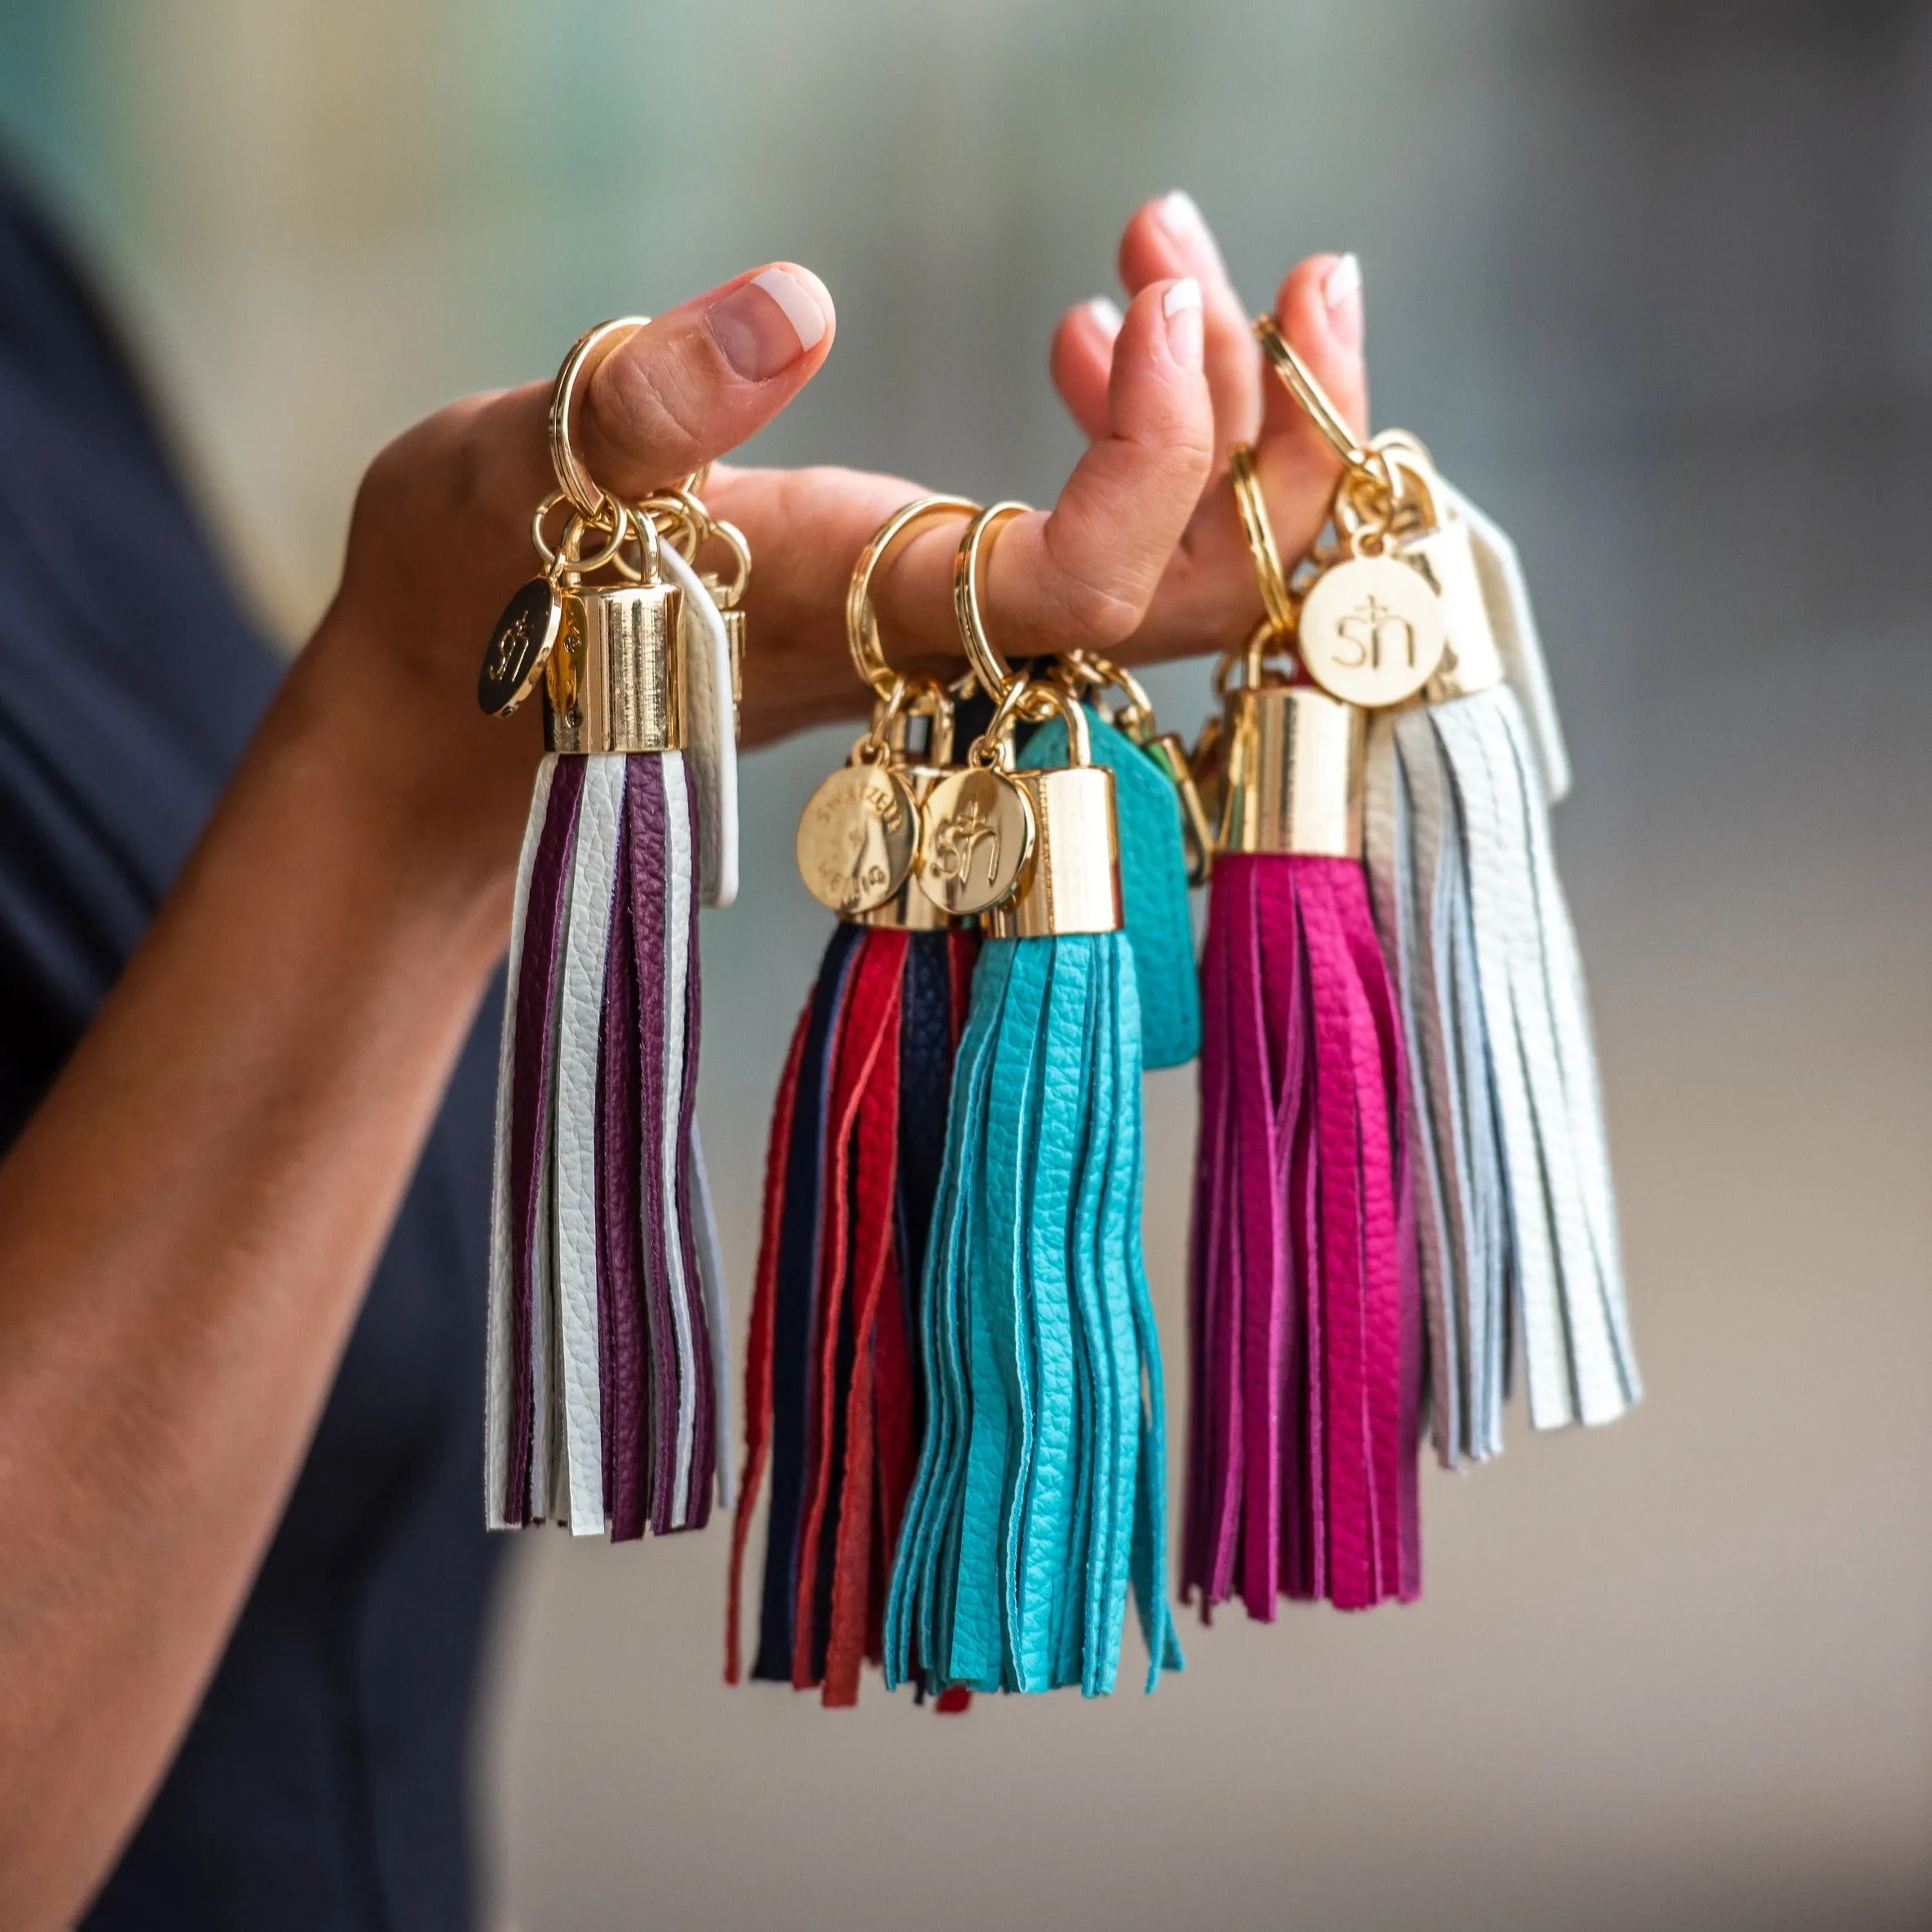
[[1293, 765], [614, 683], [1071, 881]]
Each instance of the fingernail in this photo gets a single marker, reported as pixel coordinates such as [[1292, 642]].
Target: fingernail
[[1341, 292], [1180, 215], [1181, 306], [772, 320], [1107, 311]]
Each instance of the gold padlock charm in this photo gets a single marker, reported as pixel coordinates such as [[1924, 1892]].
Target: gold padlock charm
[[1069, 880]]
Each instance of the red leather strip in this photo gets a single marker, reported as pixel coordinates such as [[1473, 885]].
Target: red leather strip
[[874, 1182], [869, 1028], [757, 1357]]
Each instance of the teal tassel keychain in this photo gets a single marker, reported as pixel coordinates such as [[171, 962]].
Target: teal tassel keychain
[[1040, 1494], [1164, 837]]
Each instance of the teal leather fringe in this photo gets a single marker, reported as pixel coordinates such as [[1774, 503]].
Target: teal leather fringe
[[1153, 885], [1041, 1492]]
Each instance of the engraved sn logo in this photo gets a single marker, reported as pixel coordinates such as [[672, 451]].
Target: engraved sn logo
[[1378, 631]]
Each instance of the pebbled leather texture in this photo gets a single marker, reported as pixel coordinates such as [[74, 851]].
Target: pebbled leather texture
[[710, 733], [1154, 885], [1304, 1312], [581, 1008], [503, 1329], [1518, 1214], [832, 1400], [1039, 1496], [607, 1310], [1512, 618], [527, 1421]]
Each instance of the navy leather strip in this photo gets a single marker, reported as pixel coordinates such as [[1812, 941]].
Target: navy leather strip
[[795, 1317]]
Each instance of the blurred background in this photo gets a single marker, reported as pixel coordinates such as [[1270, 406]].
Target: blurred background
[[1654, 278]]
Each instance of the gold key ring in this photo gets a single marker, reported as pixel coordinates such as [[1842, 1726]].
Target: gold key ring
[[572, 479], [861, 622], [996, 675], [1264, 551], [1360, 460]]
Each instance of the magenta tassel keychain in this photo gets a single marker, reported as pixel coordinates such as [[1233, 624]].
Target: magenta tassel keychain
[[607, 1320], [1305, 1319]]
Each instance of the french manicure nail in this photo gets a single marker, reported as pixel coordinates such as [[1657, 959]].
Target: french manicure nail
[[1180, 215], [1107, 311], [1181, 306], [1341, 293], [772, 320]]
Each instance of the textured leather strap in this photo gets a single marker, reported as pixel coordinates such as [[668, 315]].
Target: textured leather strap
[[580, 1012], [501, 1341], [527, 1480], [680, 1077], [703, 1220], [758, 1345], [1153, 885], [1039, 1485], [623, 1310], [1509, 1120], [795, 1297], [866, 1029], [1512, 618], [711, 733], [1306, 1330], [866, 1164]]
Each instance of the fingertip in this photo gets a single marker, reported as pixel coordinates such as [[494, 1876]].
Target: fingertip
[[804, 298], [771, 319], [1320, 310], [703, 376], [1161, 336], [1159, 393], [1081, 360]]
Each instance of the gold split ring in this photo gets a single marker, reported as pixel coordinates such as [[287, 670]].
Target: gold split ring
[[994, 674], [861, 622], [572, 479], [1263, 550]]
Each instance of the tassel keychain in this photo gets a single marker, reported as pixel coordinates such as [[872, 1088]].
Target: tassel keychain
[[606, 1316], [1164, 839], [1516, 1221], [1040, 1493], [834, 1398], [1305, 1320]]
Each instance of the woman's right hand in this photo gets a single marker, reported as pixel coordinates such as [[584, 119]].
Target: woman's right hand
[[440, 538]]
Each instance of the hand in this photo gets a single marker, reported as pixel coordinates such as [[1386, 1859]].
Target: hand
[[440, 537], [1086, 574], [1207, 599]]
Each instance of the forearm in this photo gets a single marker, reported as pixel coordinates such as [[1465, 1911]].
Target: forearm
[[186, 1228]]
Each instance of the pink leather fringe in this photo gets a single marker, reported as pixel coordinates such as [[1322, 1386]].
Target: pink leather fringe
[[1306, 1335]]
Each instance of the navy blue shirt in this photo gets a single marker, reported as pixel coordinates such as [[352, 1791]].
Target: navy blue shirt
[[321, 1785]]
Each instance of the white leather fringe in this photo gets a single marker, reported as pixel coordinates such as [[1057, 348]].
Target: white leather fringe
[[1516, 1218], [1512, 622], [710, 733]]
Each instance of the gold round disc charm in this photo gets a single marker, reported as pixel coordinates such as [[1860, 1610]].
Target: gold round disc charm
[[978, 835], [1372, 631], [856, 839], [522, 640]]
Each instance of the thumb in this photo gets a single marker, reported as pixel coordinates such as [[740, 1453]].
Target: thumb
[[701, 379]]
